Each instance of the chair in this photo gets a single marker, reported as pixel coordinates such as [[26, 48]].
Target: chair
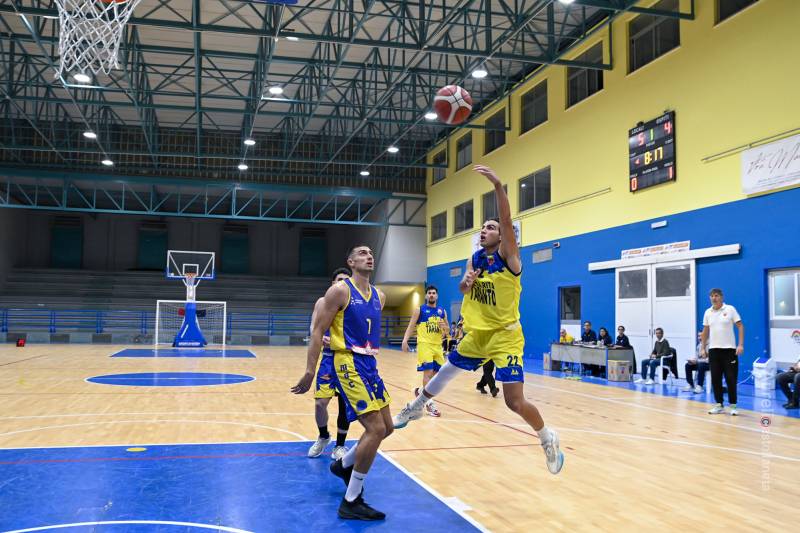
[[670, 361]]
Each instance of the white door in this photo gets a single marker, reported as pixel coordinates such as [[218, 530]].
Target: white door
[[634, 308], [674, 307], [658, 296]]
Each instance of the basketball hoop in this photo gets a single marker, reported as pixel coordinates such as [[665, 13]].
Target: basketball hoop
[[90, 34]]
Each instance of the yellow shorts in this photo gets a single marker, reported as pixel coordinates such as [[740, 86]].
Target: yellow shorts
[[358, 382], [429, 357], [503, 346]]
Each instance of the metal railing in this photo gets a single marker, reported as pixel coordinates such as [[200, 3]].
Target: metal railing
[[143, 322]]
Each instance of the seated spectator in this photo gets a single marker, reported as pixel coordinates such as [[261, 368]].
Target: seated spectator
[[565, 338], [784, 379], [622, 339], [660, 349], [699, 363], [604, 337], [588, 334]]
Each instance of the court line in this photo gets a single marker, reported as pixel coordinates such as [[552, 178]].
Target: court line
[[132, 522], [459, 511], [183, 413], [29, 430], [128, 444], [28, 359]]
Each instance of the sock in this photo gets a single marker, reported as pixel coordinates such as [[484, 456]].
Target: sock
[[444, 376], [323, 432], [355, 486], [544, 435], [341, 435], [419, 402], [349, 458]]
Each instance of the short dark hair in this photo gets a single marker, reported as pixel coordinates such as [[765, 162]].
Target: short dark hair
[[714, 291], [621, 327], [660, 329], [604, 329], [431, 288], [353, 249], [341, 270]]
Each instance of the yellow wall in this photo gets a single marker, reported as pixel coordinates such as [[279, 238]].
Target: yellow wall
[[729, 85]]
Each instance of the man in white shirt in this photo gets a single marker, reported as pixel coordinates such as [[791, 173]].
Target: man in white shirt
[[723, 351]]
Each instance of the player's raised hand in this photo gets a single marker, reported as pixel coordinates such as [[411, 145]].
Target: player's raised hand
[[487, 172], [304, 384]]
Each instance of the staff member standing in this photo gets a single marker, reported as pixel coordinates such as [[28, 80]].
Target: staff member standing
[[723, 352]]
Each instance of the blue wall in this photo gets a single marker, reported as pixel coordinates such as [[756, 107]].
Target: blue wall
[[767, 227]]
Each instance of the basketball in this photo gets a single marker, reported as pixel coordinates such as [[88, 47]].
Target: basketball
[[452, 104]]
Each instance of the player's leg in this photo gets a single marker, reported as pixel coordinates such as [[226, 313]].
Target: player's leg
[[507, 347], [342, 427], [322, 396]]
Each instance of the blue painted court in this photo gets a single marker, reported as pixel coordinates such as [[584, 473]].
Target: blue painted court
[[170, 379], [182, 352], [245, 487]]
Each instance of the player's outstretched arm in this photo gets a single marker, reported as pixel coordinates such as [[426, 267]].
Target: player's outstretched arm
[[469, 277], [410, 329], [324, 313], [508, 245]]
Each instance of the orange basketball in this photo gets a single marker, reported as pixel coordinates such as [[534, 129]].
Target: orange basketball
[[452, 104]]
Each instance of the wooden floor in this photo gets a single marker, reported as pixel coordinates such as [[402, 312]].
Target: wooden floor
[[633, 460]]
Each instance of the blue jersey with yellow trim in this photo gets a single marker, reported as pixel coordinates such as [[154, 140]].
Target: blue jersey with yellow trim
[[493, 301], [428, 324], [357, 327]]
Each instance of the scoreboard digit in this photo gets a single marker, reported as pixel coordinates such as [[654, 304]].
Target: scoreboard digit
[[651, 152]]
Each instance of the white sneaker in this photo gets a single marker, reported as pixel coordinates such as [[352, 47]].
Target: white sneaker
[[649, 382], [431, 409], [338, 452], [406, 415], [687, 388], [698, 389], [554, 457], [717, 409], [734, 411], [318, 447], [638, 380]]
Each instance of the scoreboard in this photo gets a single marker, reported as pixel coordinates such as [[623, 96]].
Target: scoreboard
[[651, 152]]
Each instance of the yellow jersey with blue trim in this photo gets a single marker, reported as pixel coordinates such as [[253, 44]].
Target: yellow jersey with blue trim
[[493, 301], [428, 324], [357, 327]]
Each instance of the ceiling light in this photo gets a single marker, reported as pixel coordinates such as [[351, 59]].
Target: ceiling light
[[90, 135], [364, 172], [242, 166], [430, 115], [479, 73], [393, 149], [292, 38], [250, 142], [566, 2], [107, 162], [275, 89], [81, 78]]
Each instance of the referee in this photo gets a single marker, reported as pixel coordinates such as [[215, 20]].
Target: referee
[[723, 352]]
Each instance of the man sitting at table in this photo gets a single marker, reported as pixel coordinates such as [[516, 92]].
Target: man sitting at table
[[622, 339], [660, 349], [588, 334], [565, 338]]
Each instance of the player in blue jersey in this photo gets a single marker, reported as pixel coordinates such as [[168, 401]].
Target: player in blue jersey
[[351, 309], [326, 389]]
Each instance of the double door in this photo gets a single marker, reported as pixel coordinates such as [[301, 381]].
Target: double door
[[660, 295]]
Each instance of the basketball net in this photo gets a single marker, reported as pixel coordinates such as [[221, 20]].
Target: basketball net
[[189, 281], [90, 34]]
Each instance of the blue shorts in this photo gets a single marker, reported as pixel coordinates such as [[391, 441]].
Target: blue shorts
[[358, 382], [326, 377]]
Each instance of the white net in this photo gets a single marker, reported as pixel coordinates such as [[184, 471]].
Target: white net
[[90, 33], [211, 317]]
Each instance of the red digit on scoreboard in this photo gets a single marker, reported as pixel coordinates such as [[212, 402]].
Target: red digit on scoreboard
[[668, 127], [634, 184], [641, 139]]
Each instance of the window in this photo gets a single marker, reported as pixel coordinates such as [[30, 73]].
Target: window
[[495, 131], [464, 151], [439, 226], [584, 82], [727, 8], [673, 281], [632, 284], [652, 36], [464, 219], [534, 107], [570, 303], [489, 203], [785, 294], [534, 190], [439, 159]]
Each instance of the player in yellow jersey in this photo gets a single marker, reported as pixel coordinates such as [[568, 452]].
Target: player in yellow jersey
[[491, 287], [430, 323], [352, 310]]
